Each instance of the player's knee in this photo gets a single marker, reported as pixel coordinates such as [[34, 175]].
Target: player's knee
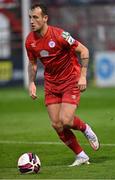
[[58, 126], [66, 120]]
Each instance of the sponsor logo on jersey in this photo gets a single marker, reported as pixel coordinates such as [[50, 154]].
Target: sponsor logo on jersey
[[44, 53], [52, 44], [68, 37]]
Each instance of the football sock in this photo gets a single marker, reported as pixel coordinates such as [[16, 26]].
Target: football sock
[[78, 124], [70, 140]]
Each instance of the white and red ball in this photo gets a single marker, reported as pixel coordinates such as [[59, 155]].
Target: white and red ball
[[29, 163]]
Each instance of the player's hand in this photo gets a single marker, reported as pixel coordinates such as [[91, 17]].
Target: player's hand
[[82, 84], [32, 90]]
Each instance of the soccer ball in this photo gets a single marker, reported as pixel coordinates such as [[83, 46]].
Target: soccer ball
[[29, 163]]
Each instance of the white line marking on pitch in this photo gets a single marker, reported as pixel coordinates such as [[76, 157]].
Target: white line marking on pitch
[[43, 142]]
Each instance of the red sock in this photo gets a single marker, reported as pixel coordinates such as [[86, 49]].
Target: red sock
[[70, 140], [78, 124]]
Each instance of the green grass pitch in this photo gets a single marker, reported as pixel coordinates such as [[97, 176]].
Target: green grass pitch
[[25, 127]]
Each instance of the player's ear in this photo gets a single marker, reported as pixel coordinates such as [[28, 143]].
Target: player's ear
[[45, 18]]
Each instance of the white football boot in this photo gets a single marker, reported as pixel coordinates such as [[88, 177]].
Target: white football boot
[[80, 160], [91, 137]]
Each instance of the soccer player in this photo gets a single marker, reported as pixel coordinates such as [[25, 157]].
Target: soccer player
[[64, 78]]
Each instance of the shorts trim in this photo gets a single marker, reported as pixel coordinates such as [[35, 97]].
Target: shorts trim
[[77, 104]]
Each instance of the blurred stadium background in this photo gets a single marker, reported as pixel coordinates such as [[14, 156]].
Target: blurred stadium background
[[90, 21]]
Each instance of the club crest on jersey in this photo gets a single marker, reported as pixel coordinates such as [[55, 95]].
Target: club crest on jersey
[[44, 53], [52, 44]]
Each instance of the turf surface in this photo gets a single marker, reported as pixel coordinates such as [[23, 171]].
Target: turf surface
[[25, 127]]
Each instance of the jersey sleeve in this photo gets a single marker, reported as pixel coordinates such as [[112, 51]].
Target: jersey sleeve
[[32, 58], [67, 40]]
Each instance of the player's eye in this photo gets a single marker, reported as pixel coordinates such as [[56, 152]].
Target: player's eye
[[35, 17]]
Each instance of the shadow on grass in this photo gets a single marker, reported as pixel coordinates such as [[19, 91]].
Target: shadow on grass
[[101, 159]]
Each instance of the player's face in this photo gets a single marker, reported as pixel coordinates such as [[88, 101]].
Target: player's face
[[37, 19]]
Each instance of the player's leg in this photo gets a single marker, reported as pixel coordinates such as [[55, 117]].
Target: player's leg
[[73, 98], [67, 113], [53, 111], [79, 124], [76, 123], [53, 103], [65, 134]]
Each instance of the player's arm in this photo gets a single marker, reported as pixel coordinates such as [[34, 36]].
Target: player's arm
[[32, 70], [84, 57]]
